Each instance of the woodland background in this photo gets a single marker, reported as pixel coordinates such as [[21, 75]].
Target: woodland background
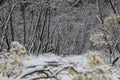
[[60, 26]]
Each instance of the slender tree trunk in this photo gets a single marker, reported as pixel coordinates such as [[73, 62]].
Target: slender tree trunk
[[24, 23]]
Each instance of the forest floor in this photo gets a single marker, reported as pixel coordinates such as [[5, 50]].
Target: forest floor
[[88, 66]]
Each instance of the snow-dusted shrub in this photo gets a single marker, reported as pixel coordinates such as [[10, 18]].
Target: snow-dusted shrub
[[108, 38], [98, 39], [112, 17], [16, 47]]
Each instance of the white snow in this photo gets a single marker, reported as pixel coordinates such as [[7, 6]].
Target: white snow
[[58, 67]]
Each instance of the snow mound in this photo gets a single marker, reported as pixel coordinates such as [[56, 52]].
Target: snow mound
[[88, 66]]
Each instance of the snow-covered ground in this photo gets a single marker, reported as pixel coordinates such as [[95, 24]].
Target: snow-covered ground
[[88, 66]]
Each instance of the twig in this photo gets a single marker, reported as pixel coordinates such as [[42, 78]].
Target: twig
[[114, 10]]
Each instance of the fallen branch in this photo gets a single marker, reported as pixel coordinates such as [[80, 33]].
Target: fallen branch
[[37, 69], [47, 72]]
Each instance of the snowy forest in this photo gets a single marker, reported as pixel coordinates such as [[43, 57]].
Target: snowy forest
[[59, 40]]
